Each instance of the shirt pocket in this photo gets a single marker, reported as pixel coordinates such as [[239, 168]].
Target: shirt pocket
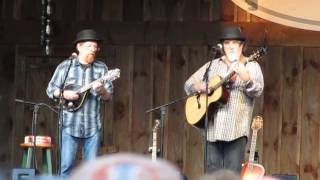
[[97, 75]]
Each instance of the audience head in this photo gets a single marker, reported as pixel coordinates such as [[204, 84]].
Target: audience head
[[46, 177], [222, 174], [267, 178], [126, 167]]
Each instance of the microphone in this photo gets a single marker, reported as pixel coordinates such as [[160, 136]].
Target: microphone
[[73, 56], [217, 47], [217, 51]]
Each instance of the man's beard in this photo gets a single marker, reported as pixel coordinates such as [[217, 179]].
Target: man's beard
[[232, 56]]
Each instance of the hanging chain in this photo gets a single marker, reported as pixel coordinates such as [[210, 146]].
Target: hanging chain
[[46, 28]]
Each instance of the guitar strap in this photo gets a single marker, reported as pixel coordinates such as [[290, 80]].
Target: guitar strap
[[91, 78], [84, 67]]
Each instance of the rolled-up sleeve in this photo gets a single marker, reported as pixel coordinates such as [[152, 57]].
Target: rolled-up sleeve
[[255, 85], [194, 78], [108, 86], [55, 82]]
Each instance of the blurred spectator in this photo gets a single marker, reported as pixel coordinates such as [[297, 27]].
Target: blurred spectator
[[46, 177], [222, 174], [267, 178], [1, 175], [126, 167]]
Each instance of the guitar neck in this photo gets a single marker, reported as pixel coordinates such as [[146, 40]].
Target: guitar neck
[[253, 146], [110, 76], [228, 76], [88, 86], [223, 80], [154, 146]]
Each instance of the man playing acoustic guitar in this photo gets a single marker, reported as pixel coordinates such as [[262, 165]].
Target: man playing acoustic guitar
[[229, 125], [81, 125]]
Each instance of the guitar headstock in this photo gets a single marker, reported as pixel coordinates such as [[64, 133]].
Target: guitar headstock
[[156, 125], [257, 54], [112, 74], [257, 123]]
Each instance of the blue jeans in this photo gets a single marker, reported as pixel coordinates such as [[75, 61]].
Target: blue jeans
[[69, 147], [226, 155]]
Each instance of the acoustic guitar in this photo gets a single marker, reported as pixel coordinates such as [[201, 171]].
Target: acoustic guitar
[[252, 170], [74, 105], [195, 106]]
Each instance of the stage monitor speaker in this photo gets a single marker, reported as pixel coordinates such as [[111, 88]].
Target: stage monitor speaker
[[285, 176], [22, 173]]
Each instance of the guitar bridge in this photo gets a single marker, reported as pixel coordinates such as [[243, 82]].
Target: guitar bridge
[[198, 101]]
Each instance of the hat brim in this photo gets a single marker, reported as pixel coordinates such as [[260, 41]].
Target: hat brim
[[89, 39], [233, 38]]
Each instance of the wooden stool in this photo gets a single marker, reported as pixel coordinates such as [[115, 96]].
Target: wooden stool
[[46, 156]]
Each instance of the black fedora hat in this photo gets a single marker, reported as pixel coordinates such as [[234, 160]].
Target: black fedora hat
[[87, 35], [232, 33]]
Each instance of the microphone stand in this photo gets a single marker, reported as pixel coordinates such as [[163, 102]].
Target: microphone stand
[[163, 112], [36, 107], [60, 116], [206, 80], [162, 116]]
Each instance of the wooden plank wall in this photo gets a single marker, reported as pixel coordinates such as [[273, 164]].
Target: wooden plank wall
[[6, 105], [309, 141], [157, 44]]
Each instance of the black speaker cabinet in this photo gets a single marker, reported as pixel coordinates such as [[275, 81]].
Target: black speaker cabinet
[[285, 176], [22, 173]]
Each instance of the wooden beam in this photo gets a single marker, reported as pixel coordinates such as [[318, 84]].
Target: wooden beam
[[158, 33]]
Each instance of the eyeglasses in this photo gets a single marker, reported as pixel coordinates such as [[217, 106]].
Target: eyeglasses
[[91, 45], [232, 42]]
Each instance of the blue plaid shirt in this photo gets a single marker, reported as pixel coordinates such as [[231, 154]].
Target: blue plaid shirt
[[86, 121]]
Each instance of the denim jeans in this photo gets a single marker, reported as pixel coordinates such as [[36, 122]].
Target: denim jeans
[[69, 147], [226, 155]]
